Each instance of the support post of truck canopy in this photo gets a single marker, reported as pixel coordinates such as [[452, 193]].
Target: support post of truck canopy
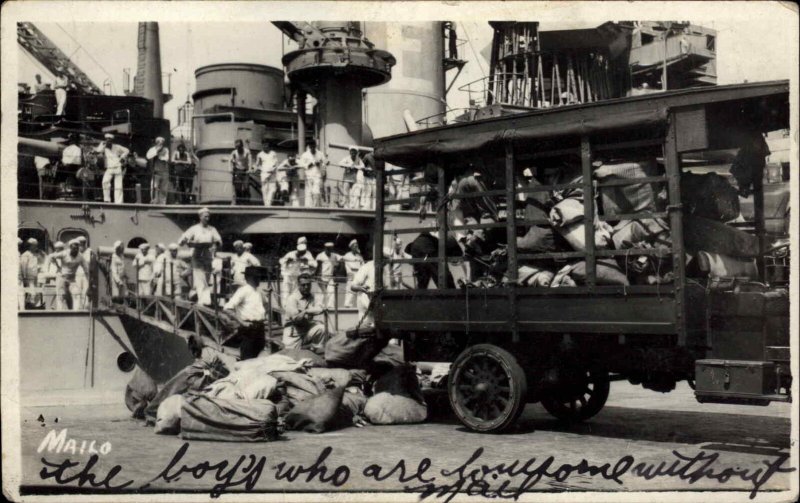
[[588, 211], [441, 223], [758, 216], [673, 167], [511, 236], [378, 234]]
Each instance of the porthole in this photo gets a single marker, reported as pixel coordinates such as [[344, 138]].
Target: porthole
[[126, 362]]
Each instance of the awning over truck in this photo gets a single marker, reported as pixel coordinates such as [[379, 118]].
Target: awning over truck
[[635, 113]]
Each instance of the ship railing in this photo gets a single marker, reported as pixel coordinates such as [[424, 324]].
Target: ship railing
[[338, 193], [447, 117]]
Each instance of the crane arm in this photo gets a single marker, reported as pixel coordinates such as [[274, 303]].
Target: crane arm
[[51, 57]]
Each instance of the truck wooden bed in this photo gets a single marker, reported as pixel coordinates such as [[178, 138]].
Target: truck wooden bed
[[514, 343]]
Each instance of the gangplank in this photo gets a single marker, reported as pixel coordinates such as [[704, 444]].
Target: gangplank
[[191, 321]]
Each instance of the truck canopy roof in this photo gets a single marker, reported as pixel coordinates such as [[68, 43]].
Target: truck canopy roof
[[727, 113]]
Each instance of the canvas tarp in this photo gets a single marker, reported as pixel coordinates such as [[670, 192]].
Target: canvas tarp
[[413, 150]]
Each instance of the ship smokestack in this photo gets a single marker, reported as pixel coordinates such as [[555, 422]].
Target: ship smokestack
[[148, 71]]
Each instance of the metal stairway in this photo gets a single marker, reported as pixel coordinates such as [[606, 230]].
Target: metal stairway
[[191, 321]]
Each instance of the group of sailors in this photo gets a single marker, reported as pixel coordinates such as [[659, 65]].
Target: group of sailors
[[163, 270], [72, 266], [166, 177], [60, 86], [281, 181]]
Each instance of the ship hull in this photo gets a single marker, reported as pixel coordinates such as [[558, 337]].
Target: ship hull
[[68, 356]]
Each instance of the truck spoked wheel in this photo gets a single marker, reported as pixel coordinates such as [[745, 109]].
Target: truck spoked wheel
[[580, 396], [487, 388]]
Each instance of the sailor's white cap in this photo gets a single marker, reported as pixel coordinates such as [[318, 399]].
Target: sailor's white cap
[[73, 241], [81, 239], [144, 246], [328, 244], [160, 139], [161, 246], [108, 136], [117, 244], [203, 210], [33, 241], [353, 147], [58, 244], [173, 246], [248, 246], [238, 242], [302, 240], [353, 242], [527, 173]]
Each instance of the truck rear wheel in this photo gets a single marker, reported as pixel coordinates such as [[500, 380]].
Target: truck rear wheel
[[487, 388], [580, 396]]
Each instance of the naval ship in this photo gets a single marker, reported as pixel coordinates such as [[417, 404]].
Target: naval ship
[[339, 87]]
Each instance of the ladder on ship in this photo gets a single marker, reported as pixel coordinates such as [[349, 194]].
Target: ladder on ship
[[191, 321]]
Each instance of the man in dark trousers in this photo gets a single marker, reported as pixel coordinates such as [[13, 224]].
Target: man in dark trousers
[[183, 172], [247, 304], [427, 246]]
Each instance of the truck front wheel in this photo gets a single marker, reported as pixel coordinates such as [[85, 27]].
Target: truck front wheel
[[487, 388]]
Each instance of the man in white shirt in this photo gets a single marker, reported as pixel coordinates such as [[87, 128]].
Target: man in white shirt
[[301, 330], [53, 266], [200, 237], [353, 260], [158, 158], [215, 279], [294, 263], [241, 163], [170, 272], [240, 261], [52, 270], [247, 304], [353, 168], [364, 285], [143, 262], [288, 180], [368, 193], [72, 155], [113, 155], [315, 165], [31, 263], [61, 91], [119, 279], [328, 261], [396, 277], [267, 164], [158, 266], [67, 291], [89, 280], [248, 252]]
